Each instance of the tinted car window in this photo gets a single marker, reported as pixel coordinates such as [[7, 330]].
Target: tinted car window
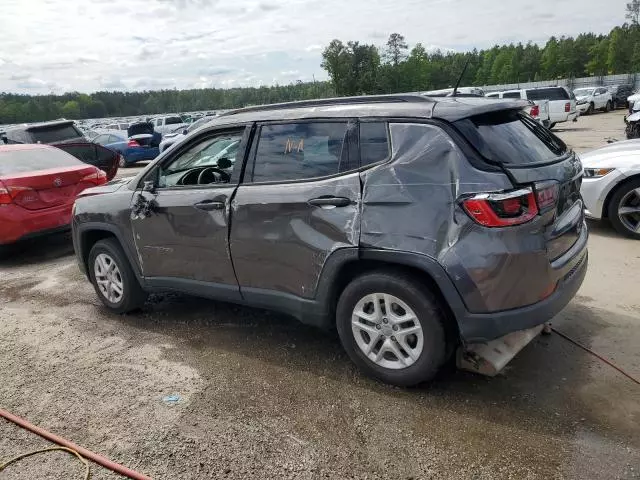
[[493, 95], [511, 138], [85, 153], [173, 120], [297, 151], [55, 133], [31, 160], [374, 144], [511, 95], [556, 93]]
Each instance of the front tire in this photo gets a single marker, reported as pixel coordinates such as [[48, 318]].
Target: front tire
[[590, 109], [624, 209], [392, 328], [607, 107], [113, 278]]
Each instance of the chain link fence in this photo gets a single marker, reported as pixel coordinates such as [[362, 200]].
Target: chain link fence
[[571, 83]]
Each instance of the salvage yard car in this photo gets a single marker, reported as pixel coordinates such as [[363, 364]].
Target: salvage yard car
[[611, 186], [592, 99], [38, 185], [414, 226], [562, 102]]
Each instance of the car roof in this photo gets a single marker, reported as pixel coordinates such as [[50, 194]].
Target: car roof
[[24, 146], [398, 106], [36, 126]]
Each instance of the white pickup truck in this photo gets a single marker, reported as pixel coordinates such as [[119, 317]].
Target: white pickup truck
[[538, 109], [562, 102]]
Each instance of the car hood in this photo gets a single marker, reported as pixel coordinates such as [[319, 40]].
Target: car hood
[[582, 98], [110, 187], [616, 155]]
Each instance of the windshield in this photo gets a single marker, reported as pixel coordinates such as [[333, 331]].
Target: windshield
[[583, 92]]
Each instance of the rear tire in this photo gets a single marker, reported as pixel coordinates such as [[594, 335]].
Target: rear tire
[[403, 341], [113, 279], [626, 199]]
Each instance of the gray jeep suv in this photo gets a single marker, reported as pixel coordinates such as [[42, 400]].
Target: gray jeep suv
[[410, 224]]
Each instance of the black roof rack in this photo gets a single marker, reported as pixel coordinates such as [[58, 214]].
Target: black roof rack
[[322, 102]]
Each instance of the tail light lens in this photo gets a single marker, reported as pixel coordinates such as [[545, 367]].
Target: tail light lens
[[502, 209], [567, 107], [535, 111], [8, 194], [547, 195], [98, 177], [133, 143]]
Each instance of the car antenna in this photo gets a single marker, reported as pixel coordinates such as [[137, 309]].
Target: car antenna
[[464, 69]]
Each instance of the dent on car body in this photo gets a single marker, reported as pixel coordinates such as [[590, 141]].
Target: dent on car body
[[420, 187]]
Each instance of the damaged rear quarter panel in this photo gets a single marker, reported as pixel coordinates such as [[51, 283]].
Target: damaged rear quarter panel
[[411, 204]]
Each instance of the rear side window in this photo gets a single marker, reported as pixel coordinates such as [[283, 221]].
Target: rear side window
[[555, 93], [511, 138], [374, 143], [173, 121], [299, 151], [492, 95], [55, 133], [23, 161], [511, 95]]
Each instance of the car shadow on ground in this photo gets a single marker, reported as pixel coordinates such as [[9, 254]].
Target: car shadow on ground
[[540, 390], [36, 250]]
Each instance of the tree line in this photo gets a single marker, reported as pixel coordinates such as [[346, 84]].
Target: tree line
[[356, 68]]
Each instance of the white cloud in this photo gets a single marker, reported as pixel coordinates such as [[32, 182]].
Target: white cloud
[[145, 44]]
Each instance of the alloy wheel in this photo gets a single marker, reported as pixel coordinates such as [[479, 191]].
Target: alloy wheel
[[387, 331], [108, 278], [629, 210]]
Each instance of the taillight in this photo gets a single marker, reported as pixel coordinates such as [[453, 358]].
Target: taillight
[[535, 111], [8, 194], [502, 209], [133, 143], [547, 194], [98, 177], [567, 107]]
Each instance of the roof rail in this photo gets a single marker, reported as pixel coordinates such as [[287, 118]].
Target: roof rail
[[321, 102]]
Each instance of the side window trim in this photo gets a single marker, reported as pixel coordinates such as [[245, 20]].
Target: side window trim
[[247, 177], [174, 153]]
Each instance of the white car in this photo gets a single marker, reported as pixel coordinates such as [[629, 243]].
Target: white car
[[593, 98], [611, 185], [562, 102], [539, 109], [632, 100], [168, 123], [174, 137]]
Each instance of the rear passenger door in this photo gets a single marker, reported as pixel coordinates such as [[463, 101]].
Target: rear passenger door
[[299, 202]]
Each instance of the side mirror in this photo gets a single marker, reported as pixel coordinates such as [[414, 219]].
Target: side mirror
[[149, 186]]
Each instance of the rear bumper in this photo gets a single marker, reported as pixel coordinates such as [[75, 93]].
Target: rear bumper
[[482, 327], [17, 223]]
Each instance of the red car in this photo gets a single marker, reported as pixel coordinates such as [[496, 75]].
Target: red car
[[38, 185]]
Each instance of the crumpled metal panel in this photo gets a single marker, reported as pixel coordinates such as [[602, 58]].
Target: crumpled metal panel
[[411, 204]]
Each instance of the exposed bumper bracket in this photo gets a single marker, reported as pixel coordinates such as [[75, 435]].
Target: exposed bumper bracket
[[491, 357]]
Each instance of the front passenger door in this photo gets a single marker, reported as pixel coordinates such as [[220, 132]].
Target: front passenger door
[[182, 237]]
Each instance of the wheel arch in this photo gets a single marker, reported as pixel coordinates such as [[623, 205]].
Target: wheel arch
[[612, 192], [421, 267], [91, 233]]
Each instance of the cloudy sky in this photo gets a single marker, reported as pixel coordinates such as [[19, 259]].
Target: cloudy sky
[[88, 45]]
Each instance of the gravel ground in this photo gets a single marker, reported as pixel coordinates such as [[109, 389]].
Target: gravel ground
[[261, 396]]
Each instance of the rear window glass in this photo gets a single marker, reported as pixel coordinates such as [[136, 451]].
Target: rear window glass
[[173, 120], [55, 133], [511, 138], [374, 145], [22, 161], [555, 93], [511, 95]]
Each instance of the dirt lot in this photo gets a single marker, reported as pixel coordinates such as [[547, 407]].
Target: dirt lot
[[261, 396]]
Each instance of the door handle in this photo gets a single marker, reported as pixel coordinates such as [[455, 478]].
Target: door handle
[[330, 202], [209, 205]]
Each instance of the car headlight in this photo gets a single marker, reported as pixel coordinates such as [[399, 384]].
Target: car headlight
[[581, 102], [597, 172]]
